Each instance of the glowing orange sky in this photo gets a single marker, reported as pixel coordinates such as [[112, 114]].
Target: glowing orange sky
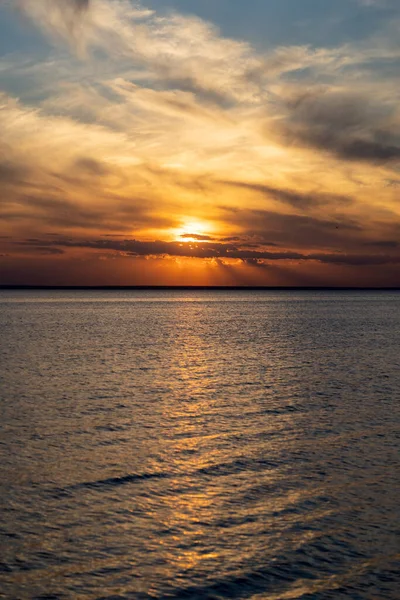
[[152, 149]]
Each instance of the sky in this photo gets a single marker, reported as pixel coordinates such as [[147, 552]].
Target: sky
[[200, 142]]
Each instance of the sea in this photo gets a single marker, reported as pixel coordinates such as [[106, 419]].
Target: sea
[[200, 444]]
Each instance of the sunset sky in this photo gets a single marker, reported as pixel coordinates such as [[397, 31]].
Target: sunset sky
[[205, 142]]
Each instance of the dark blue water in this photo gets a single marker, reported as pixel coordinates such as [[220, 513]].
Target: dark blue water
[[201, 445]]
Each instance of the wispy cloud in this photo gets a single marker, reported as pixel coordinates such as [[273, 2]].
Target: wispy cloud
[[66, 19]]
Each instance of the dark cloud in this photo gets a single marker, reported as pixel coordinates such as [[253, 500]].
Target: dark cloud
[[392, 183], [355, 259], [114, 235], [48, 251], [345, 124], [173, 78], [196, 236], [250, 241], [118, 214], [161, 248], [255, 262], [218, 251], [81, 4], [383, 244], [12, 173], [296, 230], [91, 166], [85, 171], [373, 151], [235, 238], [297, 199], [76, 197]]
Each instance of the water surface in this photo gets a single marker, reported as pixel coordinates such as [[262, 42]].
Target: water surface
[[201, 445]]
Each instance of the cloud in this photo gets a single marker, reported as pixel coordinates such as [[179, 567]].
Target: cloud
[[40, 211], [235, 238], [293, 198], [58, 18], [297, 230], [206, 250], [356, 259], [198, 237], [91, 166], [345, 124], [63, 6], [53, 171], [181, 49], [48, 251], [69, 175], [166, 121], [385, 244], [202, 250], [11, 173], [381, 4]]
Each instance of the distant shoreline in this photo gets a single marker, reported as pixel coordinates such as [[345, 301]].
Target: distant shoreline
[[163, 288]]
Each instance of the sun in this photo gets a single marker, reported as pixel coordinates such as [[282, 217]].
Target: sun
[[192, 231]]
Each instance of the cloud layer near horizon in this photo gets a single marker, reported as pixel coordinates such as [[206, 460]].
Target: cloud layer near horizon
[[149, 125]]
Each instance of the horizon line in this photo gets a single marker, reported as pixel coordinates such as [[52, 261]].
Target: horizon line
[[193, 288]]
